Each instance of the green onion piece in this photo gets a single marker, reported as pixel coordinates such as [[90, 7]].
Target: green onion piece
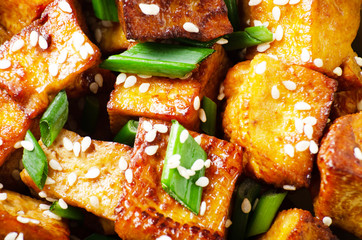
[[179, 187], [54, 118], [196, 43], [70, 212], [250, 190], [90, 114], [210, 108], [35, 162], [96, 236], [233, 14], [251, 36], [264, 212], [105, 10], [157, 59], [127, 134]]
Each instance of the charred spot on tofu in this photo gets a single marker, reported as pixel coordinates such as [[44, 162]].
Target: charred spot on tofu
[[340, 166], [277, 113]]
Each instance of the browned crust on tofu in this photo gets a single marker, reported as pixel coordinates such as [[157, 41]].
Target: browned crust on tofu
[[346, 102], [47, 229], [297, 224], [210, 16], [28, 80], [351, 78], [146, 211], [341, 175]]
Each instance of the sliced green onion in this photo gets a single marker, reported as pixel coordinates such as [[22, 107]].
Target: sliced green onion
[[233, 14], [105, 10], [183, 188], [54, 118], [127, 134], [210, 108], [96, 236], [90, 114], [35, 161], [245, 197], [196, 43], [264, 212], [70, 212], [157, 59]]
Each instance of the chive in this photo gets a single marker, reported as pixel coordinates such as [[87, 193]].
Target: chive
[[127, 134], [157, 59], [210, 108], [90, 114], [69, 213], [248, 189], [96, 236], [183, 190], [196, 43], [54, 118], [105, 10], [264, 212], [35, 162], [233, 14]]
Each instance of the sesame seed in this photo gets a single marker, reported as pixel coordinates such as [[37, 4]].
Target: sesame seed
[[279, 32], [202, 208], [20, 236], [275, 92], [299, 125], [68, 145], [151, 135], [313, 147], [292, 2], [1, 141], [22, 219], [164, 237], [130, 81], [98, 78], [246, 206], [290, 85], [55, 165], [174, 161], [183, 172], [318, 62], [255, 203], [129, 175], [92, 173], [289, 150], [197, 103], [305, 56], [122, 164], [34, 37], [62, 57], [257, 23], [198, 139], [98, 35], [327, 221], [77, 40], [263, 47], [48, 213], [17, 45], [338, 71], [254, 2], [190, 172], [62, 204], [221, 96], [65, 7], [85, 143], [147, 126], [222, 41], [5, 64], [144, 76], [151, 150], [302, 146], [121, 78], [89, 48], [228, 223], [43, 206], [308, 130], [42, 194], [93, 87], [184, 135], [202, 115], [198, 165], [310, 120], [72, 178], [149, 9], [94, 201], [289, 187], [53, 69], [49, 181], [76, 149], [162, 128], [359, 106], [43, 44], [144, 87], [260, 68], [358, 61], [83, 51], [107, 24], [1, 186], [207, 163], [3, 196], [280, 2], [302, 106], [202, 182], [27, 145], [248, 22], [190, 27], [11, 236], [49, 199], [34, 221], [357, 153], [276, 13]]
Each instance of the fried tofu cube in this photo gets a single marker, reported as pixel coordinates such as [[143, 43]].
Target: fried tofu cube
[[297, 224], [339, 163], [201, 20], [92, 180], [346, 102], [22, 215], [4, 34], [62, 51], [277, 113], [146, 211], [351, 74], [308, 30], [167, 99]]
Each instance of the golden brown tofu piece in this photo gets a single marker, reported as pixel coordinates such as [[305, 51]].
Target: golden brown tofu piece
[[201, 20], [297, 224], [346, 102], [309, 30], [22, 215], [13, 125], [76, 184], [10, 172], [4, 34], [340, 166], [31, 73], [277, 113], [351, 74], [146, 211], [166, 98]]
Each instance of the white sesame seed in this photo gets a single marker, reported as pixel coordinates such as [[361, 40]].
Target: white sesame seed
[[1, 186], [305, 56], [43, 206], [93, 87], [34, 36], [43, 44], [299, 125], [65, 7], [257, 23], [198, 139], [149, 9], [313, 147], [129, 175], [34, 221], [53, 69], [301, 106], [11, 236], [3, 196], [357, 153], [122, 164], [289, 150], [55, 165], [202, 115], [92, 173], [202, 208], [174, 161], [17, 145], [147, 126], [98, 78], [42, 194], [280, 2], [17, 45], [72, 178], [358, 61], [289, 187], [130, 81], [20, 236], [318, 62], [202, 182], [121, 78], [68, 145], [275, 92], [49, 214], [94, 201], [77, 40], [255, 203], [89, 48], [151, 150], [183, 172], [338, 71], [290, 85], [302, 146], [184, 135], [359, 106], [162, 128], [292, 2], [151, 135], [76, 149], [1, 141], [62, 203], [164, 237], [197, 103], [49, 181], [5, 64], [85, 144], [246, 206], [228, 223], [222, 41], [144, 87], [310, 120], [327, 221], [144, 76], [190, 172], [27, 145], [279, 33], [263, 47], [22, 219], [190, 27], [198, 165], [207, 163], [83, 51], [108, 24], [308, 130], [49, 199], [276, 13], [98, 35], [254, 2], [260, 68], [248, 22], [221, 96]]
